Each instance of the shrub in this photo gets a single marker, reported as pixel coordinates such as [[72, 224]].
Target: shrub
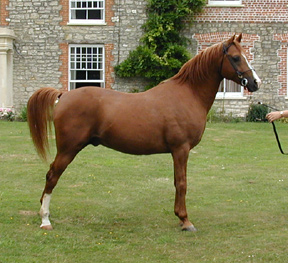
[[163, 50], [23, 114], [7, 114], [257, 112]]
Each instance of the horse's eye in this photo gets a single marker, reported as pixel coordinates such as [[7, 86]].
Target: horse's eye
[[236, 59]]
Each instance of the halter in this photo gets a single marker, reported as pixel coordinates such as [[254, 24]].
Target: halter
[[243, 81]]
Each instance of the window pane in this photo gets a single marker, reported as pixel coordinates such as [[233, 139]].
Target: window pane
[[73, 14], [73, 74], [83, 84], [80, 14], [94, 14], [92, 75], [232, 87], [80, 74], [229, 86]]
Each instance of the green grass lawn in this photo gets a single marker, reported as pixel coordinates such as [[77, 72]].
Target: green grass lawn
[[112, 207]]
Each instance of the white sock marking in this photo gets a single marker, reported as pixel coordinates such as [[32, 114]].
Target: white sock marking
[[44, 211]]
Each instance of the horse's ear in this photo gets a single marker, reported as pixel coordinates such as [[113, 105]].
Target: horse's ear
[[239, 38], [231, 40]]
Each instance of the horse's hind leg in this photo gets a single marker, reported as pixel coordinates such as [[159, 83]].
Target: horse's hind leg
[[56, 169]]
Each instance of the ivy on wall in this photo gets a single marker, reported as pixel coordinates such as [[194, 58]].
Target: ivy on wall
[[162, 51]]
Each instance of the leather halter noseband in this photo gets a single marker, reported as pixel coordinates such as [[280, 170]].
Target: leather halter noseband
[[240, 74]]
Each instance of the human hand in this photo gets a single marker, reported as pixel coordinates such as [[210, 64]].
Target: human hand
[[272, 116]]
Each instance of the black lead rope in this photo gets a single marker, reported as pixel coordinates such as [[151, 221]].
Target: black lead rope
[[277, 139], [274, 129]]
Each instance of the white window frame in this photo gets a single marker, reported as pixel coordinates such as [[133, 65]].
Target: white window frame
[[86, 5], [224, 3], [228, 94], [86, 62]]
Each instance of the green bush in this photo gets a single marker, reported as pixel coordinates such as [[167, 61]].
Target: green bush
[[23, 114], [257, 112], [163, 50]]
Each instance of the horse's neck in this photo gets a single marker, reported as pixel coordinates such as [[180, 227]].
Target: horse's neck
[[202, 76], [206, 92], [203, 94]]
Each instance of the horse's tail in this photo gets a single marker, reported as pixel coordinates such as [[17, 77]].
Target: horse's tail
[[39, 115]]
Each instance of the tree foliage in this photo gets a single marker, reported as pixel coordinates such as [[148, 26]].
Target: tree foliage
[[163, 49]]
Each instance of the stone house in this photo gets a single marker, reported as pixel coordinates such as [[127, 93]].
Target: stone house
[[70, 43]]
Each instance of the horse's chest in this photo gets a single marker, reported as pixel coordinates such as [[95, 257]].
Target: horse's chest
[[182, 132]]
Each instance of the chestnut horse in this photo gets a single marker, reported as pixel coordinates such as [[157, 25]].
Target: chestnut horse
[[169, 118]]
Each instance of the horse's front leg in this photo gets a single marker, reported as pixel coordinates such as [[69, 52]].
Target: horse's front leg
[[180, 158]]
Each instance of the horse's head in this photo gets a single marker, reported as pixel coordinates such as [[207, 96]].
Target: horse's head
[[236, 67]]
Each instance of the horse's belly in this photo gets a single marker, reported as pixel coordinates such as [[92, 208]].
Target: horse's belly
[[135, 141]]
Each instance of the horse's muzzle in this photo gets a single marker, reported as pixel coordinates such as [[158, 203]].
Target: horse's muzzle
[[251, 84]]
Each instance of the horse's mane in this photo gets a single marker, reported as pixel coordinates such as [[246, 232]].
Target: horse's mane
[[198, 68]]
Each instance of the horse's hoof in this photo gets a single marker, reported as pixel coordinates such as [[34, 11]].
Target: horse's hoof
[[189, 228], [46, 227]]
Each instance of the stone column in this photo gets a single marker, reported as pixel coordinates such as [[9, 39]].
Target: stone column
[[6, 67]]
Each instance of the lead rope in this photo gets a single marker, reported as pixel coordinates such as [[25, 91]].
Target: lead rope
[[274, 129], [277, 139]]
